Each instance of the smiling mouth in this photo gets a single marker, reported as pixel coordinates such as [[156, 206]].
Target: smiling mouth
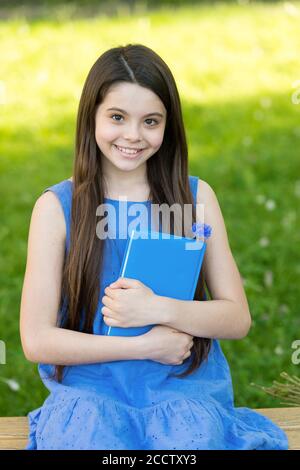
[[128, 152]]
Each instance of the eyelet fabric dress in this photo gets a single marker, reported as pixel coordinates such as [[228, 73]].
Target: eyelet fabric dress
[[136, 404]]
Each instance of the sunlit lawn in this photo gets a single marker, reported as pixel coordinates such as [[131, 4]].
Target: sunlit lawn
[[236, 68]]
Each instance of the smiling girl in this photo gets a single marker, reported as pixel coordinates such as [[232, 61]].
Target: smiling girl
[[171, 387]]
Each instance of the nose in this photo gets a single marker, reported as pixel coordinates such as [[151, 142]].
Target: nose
[[132, 133]]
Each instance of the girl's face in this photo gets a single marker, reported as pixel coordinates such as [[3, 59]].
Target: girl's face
[[133, 130]]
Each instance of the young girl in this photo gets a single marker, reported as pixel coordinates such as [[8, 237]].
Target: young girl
[[169, 388]]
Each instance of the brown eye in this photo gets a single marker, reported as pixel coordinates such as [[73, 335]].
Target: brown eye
[[119, 115], [154, 120]]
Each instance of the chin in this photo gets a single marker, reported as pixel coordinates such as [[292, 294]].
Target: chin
[[126, 166]]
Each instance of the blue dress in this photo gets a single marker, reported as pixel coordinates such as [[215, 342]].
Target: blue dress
[[134, 404]]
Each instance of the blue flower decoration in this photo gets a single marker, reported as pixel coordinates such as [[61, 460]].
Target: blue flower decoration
[[202, 230]]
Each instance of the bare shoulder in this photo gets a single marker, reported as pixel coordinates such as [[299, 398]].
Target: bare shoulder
[[48, 217], [205, 193], [212, 212]]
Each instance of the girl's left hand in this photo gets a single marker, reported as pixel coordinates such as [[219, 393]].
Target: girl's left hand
[[128, 303]]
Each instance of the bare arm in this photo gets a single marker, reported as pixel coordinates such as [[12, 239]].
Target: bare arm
[[221, 319], [227, 316], [42, 340]]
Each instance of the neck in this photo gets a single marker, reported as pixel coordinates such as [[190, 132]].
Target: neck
[[133, 184]]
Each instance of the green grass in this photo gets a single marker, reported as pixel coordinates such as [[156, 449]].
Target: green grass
[[235, 66]]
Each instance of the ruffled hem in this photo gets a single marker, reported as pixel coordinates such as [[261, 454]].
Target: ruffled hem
[[90, 423]]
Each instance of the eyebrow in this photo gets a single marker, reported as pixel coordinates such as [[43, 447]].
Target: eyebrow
[[124, 112]]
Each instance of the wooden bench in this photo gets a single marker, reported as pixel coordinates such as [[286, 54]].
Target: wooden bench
[[14, 431]]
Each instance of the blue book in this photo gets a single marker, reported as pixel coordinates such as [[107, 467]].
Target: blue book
[[168, 264]]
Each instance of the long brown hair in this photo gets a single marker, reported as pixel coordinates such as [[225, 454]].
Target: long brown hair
[[167, 175]]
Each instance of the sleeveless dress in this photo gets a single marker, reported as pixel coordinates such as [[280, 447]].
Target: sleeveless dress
[[134, 404]]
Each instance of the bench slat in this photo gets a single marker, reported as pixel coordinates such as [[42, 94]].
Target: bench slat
[[12, 443], [14, 427], [284, 417], [289, 420], [14, 430]]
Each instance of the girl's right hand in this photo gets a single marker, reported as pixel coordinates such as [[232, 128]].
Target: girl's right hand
[[167, 345]]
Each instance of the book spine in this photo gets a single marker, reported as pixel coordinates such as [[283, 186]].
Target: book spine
[[193, 289], [124, 264]]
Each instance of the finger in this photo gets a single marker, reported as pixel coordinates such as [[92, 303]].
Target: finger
[[109, 292], [107, 312], [110, 321], [125, 283], [108, 302], [133, 282]]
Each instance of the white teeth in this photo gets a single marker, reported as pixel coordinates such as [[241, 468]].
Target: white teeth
[[127, 151]]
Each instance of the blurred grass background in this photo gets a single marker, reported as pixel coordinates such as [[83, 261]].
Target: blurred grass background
[[237, 70]]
